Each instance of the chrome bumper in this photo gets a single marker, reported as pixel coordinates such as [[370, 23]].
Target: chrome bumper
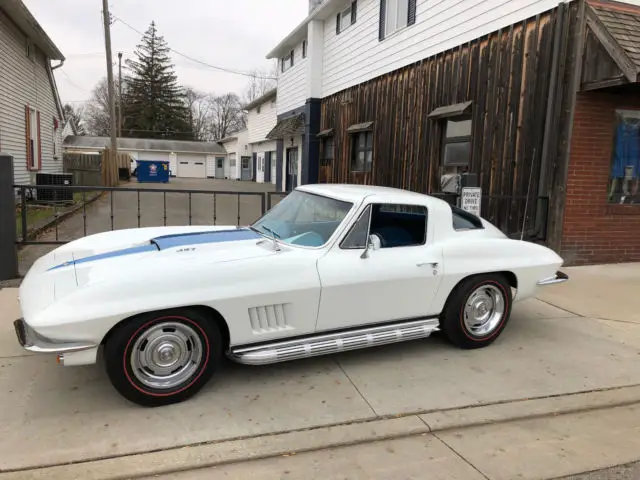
[[559, 277], [32, 341]]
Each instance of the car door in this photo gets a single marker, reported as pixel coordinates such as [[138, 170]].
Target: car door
[[397, 281]]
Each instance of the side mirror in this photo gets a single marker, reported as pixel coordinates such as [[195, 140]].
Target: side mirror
[[373, 243]]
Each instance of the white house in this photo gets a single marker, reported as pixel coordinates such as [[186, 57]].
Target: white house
[[31, 115], [239, 159], [261, 118], [186, 159]]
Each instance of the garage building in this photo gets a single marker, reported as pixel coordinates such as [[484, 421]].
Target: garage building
[[186, 159]]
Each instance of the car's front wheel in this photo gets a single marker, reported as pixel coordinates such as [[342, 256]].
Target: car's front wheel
[[163, 358], [477, 311]]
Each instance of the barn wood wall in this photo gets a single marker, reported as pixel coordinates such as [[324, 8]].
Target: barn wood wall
[[506, 74]]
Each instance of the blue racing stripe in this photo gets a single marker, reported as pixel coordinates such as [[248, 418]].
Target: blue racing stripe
[[183, 239], [113, 254]]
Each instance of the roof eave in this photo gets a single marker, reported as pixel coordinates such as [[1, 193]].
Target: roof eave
[[299, 33], [262, 99], [20, 14]]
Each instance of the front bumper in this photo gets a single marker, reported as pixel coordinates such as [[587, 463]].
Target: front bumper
[[32, 341], [559, 277]]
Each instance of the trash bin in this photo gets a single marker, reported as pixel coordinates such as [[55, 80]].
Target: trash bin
[[152, 171]]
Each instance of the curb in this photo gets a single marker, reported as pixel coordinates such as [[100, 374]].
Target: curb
[[223, 452]]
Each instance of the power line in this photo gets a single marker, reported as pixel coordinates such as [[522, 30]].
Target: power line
[[228, 70], [72, 83]]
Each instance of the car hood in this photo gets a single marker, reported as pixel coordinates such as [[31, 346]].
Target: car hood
[[129, 253]]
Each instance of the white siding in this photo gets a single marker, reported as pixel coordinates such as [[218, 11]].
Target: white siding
[[356, 55], [25, 82], [259, 124], [292, 84]]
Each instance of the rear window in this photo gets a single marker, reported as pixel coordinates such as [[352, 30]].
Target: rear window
[[463, 220]]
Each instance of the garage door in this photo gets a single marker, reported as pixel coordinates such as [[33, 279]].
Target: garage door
[[192, 166]]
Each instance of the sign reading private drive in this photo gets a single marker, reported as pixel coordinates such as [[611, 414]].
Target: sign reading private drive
[[470, 199]]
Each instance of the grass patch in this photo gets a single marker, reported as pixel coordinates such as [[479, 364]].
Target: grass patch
[[38, 214]]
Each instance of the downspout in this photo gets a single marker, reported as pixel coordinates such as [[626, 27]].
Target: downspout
[[58, 66], [541, 217]]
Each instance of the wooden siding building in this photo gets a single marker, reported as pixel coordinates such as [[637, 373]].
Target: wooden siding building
[[503, 107]]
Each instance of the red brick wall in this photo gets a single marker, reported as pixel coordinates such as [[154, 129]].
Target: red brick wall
[[594, 230]]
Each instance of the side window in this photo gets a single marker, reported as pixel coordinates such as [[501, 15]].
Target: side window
[[399, 225], [357, 236], [396, 225]]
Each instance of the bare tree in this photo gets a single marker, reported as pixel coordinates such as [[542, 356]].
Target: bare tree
[[199, 105], [260, 82], [226, 116], [96, 113]]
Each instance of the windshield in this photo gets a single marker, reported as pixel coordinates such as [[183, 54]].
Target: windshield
[[303, 219]]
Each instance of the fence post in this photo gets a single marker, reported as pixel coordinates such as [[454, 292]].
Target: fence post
[[8, 249]]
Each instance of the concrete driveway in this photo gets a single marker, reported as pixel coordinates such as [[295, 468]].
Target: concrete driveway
[[228, 203], [52, 415]]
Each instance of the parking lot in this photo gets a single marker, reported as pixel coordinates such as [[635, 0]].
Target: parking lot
[[554, 346]]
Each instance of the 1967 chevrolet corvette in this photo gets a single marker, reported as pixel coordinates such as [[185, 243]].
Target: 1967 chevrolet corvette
[[330, 268]]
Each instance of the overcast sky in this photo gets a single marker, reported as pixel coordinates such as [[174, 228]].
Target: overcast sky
[[235, 34]]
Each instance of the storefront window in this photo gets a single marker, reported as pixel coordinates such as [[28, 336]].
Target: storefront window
[[625, 169]]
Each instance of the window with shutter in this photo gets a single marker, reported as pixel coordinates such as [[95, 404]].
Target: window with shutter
[[33, 138], [346, 18], [396, 15]]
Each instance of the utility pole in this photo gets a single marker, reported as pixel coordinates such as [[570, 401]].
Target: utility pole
[[119, 94], [112, 101]]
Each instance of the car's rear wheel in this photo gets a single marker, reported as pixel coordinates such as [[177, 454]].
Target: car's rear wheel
[[477, 311], [163, 358]]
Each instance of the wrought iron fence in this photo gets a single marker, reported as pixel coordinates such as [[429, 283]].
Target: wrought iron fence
[[87, 210]]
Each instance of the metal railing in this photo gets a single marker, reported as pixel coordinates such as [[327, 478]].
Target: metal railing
[[88, 209]]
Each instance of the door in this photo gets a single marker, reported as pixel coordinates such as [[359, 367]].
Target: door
[[292, 169], [220, 167], [246, 168], [192, 166], [211, 166], [397, 281], [260, 171], [267, 167], [274, 165]]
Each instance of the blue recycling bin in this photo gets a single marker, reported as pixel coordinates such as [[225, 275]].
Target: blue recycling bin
[[152, 171]]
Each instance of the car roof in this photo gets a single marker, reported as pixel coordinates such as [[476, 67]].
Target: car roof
[[356, 193]]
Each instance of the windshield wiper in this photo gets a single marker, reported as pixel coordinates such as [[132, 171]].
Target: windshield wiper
[[270, 231]]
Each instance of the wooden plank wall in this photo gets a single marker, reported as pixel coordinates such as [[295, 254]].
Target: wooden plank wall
[[506, 74]]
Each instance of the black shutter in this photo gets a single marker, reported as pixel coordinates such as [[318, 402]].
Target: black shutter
[[354, 11], [383, 18], [412, 12], [337, 24]]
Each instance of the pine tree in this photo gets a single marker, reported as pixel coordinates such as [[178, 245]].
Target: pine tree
[[154, 103]]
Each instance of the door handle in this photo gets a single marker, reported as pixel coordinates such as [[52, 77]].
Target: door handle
[[428, 264]]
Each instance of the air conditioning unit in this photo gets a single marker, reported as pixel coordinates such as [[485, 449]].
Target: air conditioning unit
[[54, 195]]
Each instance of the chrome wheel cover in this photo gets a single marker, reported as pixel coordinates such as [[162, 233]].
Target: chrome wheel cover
[[166, 355], [484, 310]]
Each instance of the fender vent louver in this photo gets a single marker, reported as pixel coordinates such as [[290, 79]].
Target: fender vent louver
[[268, 318]]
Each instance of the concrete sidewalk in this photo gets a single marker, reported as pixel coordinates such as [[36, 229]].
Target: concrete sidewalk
[[54, 416]]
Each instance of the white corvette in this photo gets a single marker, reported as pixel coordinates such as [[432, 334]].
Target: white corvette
[[330, 268]]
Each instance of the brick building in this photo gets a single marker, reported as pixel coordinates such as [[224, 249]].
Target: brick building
[[602, 211]]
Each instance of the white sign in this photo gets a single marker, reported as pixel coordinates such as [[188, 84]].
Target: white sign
[[470, 199]]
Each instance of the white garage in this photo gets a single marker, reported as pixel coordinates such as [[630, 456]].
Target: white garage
[[187, 159], [192, 166]]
